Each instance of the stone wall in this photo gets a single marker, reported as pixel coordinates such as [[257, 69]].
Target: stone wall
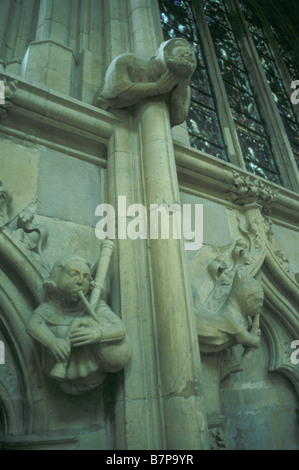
[[60, 157]]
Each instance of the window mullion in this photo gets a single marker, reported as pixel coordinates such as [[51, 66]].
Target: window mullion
[[279, 141], [287, 80], [225, 117]]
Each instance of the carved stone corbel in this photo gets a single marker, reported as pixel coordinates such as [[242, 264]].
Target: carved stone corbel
[[131, 78], [246, 189]]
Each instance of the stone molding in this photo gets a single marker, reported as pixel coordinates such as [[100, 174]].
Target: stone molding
[[211, 178], [68, 121], [64, 117]]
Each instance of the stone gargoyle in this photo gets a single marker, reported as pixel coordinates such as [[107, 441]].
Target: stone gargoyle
[[81, 343], [131, 78], [221, 326]]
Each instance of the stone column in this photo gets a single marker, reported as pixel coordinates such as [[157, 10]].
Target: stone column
[[139, 421], [49, 59], [139, 414], [17, 28], [178, 352]]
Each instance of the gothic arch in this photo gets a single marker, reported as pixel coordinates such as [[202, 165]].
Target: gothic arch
[[22, 393], [280, 317]]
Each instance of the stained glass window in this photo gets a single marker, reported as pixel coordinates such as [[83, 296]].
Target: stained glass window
[[252, 136], [287, 52], [280, 95], [202, 121]]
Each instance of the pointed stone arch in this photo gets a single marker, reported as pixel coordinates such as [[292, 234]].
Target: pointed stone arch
[[280, 318], [23, 396]]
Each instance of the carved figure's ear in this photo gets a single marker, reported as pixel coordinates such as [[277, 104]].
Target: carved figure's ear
[[50, 286]]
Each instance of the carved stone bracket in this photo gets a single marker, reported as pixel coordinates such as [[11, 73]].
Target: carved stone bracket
[[130, 78], [247, 190]]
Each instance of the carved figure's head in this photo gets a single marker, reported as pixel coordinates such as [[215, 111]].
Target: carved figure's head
[[218, 269], [248, 293], [69, 275], [179, 57]]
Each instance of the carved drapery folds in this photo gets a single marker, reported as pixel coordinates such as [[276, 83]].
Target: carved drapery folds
[[131, 78]]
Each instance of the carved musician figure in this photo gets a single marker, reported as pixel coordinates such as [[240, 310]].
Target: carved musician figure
[[78, 349]]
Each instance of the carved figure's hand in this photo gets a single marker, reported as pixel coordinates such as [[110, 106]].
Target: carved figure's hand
[[166, 82], [78, 322], [181, 86], [255, 338], [84, 335], [61, 350]]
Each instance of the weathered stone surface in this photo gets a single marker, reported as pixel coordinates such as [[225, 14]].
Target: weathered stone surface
[[256, 402], [61, 156], [216, 228], [68, 189], [19, 171]]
